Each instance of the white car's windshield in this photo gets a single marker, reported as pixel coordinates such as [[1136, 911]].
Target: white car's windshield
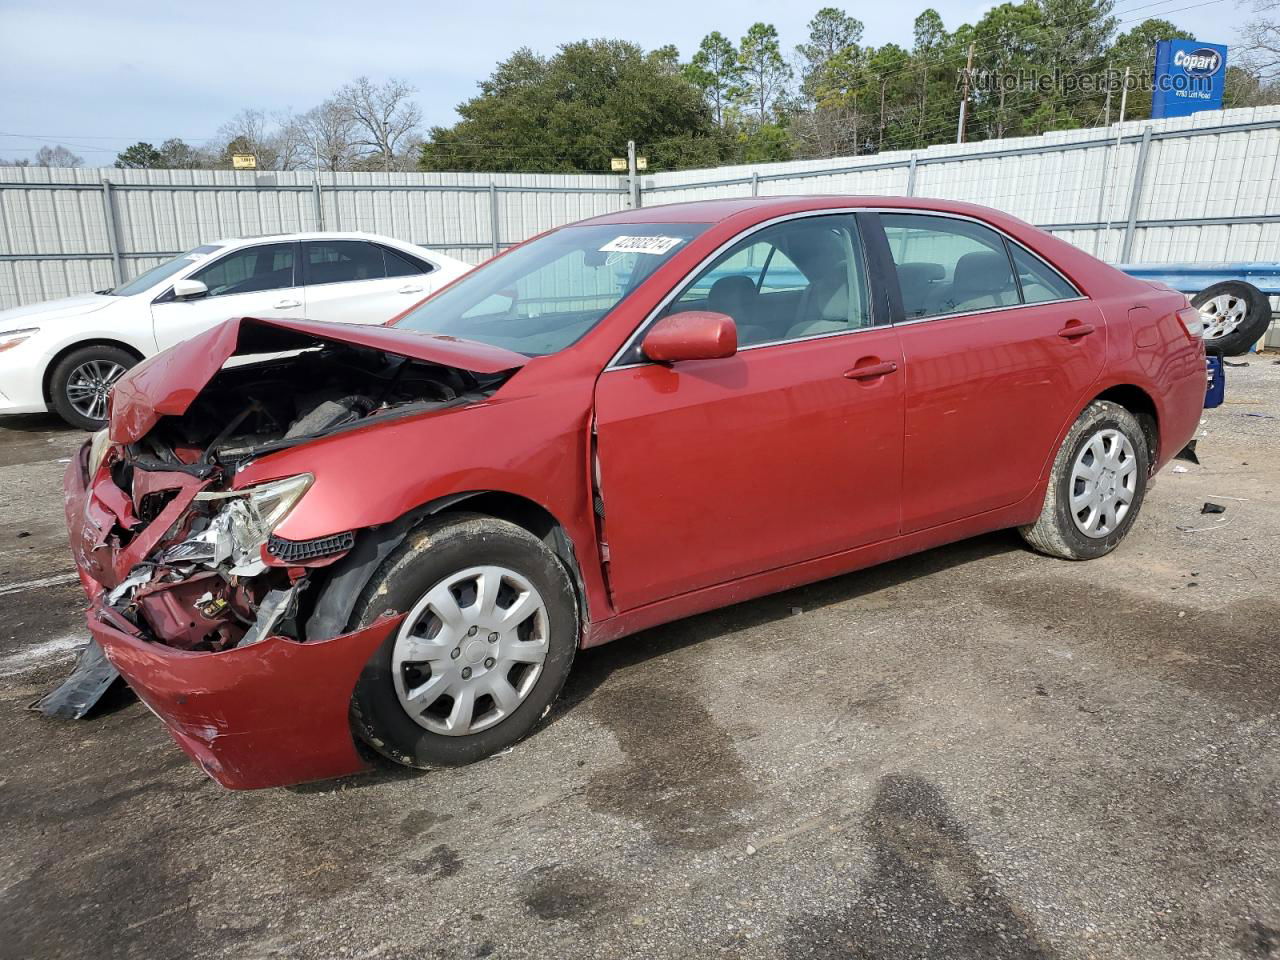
[[167, 269], [543, 296]]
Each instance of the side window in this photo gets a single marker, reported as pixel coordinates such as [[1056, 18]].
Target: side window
[[800, 278], [402, 265], [948, 266], [1040, 282], [341, 261], [268, 266]]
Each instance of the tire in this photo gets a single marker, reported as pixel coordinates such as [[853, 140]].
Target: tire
[[1236, 315], [1059, 532], [89, 367], [457, 658]]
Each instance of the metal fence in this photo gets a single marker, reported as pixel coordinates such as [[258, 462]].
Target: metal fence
[[69, 231], [1200, 188]]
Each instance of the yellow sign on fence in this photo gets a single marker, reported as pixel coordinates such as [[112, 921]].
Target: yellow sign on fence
[[244, 161]]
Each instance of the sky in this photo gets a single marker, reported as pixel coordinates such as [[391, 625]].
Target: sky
[[97, 77]]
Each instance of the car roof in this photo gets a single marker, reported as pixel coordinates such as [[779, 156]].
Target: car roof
[[314, 235], [764, 208]]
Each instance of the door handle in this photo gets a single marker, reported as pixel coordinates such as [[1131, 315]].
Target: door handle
[[1075, 329], [410, 290], [287, 304], [870, 371]]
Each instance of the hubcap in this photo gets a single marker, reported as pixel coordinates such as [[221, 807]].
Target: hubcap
[[470, 651], [90, 384], [1104, 480], [1222, 315]]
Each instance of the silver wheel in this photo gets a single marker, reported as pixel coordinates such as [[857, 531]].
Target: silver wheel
[[1223, 314], [470, 651], [90, 384], [1104, 481]]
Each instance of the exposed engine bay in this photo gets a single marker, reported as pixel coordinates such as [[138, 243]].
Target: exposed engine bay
[[204, 571]]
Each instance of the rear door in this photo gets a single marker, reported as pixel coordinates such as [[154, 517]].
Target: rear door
[[357, 281], [791, 449], [253, 281], [997, 360]]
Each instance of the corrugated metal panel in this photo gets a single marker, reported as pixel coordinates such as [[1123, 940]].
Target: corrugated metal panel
[[55, 241]]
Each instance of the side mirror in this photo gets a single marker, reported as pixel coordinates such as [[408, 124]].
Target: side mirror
[[696, 335], [189, 289]]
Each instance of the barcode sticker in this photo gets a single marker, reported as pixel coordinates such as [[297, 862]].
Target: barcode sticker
[[652, 245]]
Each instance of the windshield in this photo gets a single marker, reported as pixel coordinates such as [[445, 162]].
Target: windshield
[[543, 296], [167, 269]]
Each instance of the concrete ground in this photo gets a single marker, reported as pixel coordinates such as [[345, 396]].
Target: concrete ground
[[977, 752]]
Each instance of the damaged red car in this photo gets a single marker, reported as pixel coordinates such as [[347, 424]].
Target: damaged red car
[[306, 543]]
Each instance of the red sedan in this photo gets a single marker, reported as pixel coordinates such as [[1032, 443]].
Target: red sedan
[[398, 537]]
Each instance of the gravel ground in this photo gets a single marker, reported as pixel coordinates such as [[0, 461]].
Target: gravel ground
[[973, 753]]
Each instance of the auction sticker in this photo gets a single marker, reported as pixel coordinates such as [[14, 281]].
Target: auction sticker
[[652, 245]]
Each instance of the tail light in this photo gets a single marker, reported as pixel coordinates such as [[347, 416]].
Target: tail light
[[1191, 322]]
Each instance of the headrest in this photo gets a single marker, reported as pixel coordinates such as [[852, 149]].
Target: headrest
[[981, 272]]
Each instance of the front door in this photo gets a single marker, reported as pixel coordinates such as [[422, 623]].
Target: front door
[[256, 281], [714, 470]]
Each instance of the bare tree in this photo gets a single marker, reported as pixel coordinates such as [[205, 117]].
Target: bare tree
[[289, 140], [248, 132], [383, 116], [58, 156], [1260, 39], [329, 131]]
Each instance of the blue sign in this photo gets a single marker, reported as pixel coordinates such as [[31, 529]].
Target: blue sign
[[1190, 77]]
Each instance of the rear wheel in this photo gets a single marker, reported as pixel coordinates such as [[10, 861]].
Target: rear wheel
[[81, 383], [1235, 314], [490, 633], [1096, 488]]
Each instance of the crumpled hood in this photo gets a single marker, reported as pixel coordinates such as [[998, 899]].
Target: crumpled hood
[[51, 310], [166, 384]]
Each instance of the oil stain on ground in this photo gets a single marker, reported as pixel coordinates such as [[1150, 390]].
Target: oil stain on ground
[[560, 892], [682, 778], [928, 894]]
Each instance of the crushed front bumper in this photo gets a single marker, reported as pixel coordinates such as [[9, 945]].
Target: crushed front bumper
[[263, 714], [267, 715]]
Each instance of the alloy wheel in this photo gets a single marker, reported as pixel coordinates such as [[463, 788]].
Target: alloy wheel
[[1104, 481], [89, 386], [470, 651], [1222, 315]]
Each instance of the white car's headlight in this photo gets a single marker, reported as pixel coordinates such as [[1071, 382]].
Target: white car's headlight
[[240, 526], [11, 338]]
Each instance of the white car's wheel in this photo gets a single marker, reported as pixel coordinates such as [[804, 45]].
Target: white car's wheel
[[81, 383]]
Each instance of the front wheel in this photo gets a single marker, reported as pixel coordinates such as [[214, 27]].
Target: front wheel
[[1096, 488], [489, 635], [81, 383]]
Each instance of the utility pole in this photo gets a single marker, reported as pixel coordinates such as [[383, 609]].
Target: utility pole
[[633, 180], [1106, 109], [964, 98]]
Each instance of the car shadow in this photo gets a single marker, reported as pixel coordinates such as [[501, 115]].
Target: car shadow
[[38, 423], [595, 665]]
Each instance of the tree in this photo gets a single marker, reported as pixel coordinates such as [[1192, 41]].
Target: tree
[[383, 117], [715, 71], [329, 135], [764, 72], [577, 109], [140, 156], [248, 132], [177, 154], [1136, 49], [1260, 42], [831, 32], [58, 156]]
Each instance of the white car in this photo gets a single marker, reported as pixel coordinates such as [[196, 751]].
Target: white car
[[65, 354]]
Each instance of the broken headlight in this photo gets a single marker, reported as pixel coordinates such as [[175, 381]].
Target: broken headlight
[[98, 447], [240, 522]]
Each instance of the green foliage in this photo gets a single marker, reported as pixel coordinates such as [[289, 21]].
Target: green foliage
[[576, 110], [140, 156]]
